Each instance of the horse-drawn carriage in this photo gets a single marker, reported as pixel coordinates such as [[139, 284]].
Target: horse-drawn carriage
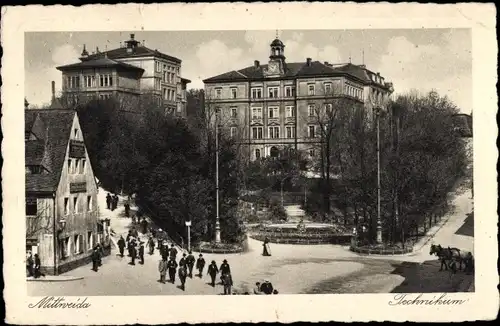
[[451, 256]]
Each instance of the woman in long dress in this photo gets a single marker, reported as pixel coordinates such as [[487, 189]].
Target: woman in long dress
[[267, 249]]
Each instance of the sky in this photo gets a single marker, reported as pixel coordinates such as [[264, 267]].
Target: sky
[[413, 59]]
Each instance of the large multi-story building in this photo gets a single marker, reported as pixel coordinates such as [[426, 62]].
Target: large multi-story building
[[272, 106], [62, 216], [129, 71]]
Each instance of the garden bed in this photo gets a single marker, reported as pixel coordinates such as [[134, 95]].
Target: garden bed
[[219, 248], [303, 239], [382, 249]]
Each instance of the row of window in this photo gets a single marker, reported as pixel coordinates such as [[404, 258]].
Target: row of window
[[89, 81], [274, 132], [76, 204], [74, 245], [289, 91], [169, 94], [273, 112], [76, 166], [169, 77], [166, 68], [258, 155]]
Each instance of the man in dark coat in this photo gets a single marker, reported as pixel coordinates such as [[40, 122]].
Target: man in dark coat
[[141, 253], [183, 261], [29, 264], [212, 271], [133, 252], [121, 245], [225, 268], [182, 276], [115, 201], [95, 260], [200, 264], [190, 260], [267, 287], [151, 245], [173, 251], [172, 267], [127, 209], [37, 268], [100, 253], [108, 200], [144, 225]]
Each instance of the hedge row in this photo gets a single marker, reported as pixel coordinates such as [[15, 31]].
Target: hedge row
[[220, 248], [381, 251]]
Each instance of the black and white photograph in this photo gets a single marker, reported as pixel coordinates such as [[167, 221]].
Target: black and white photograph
[[268, 161]]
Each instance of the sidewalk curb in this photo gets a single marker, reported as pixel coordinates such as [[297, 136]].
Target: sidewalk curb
[[55, 279]]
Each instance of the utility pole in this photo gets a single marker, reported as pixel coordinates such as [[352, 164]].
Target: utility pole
[[188, 224], [217, 222], [379, 221]]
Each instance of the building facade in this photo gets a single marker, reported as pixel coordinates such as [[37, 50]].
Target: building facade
[[62, 215], [130, 70], [273, 106]]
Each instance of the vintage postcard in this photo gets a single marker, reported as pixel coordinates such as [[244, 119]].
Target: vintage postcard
[[328, 158]]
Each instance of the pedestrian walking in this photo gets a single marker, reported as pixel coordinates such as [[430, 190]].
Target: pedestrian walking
[[133, 252], [182, 276], [134, 232], [173, 251], [100, 253], [121, 245], [151, 245], [108, 200], [29, 264], [212, 271], [225, 268], [227, 282], [127, 209], [38, 267], [144, 225], [160, 239], [95, 260], [162, 268], [182, 261], [190, 260], [200, 264], [266, 249], [141, 253], [115, 202], [172, 267]]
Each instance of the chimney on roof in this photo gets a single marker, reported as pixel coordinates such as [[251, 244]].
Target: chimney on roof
[[309, 61], [53, 91], [97, 50], [362, 66], [256, 63], [143, 42]]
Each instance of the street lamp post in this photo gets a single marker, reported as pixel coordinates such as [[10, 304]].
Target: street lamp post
[[379, 221], [188, 224], [217, 222]]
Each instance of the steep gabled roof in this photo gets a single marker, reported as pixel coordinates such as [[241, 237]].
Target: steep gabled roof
[[99, 63], [138, 51], [49, 152]]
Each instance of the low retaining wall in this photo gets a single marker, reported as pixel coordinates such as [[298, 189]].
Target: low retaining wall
[[381, 251], [64, 267]]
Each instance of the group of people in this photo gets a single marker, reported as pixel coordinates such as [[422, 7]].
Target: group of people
[[134, 245], [112, 201], [33, 265], [264, 288]]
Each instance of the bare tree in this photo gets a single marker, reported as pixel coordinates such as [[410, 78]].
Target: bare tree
[[39, 223]]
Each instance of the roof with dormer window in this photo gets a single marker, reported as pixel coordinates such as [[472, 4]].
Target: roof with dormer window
[[296, 70]]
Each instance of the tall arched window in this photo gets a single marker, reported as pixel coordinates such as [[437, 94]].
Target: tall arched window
[[257, 154]]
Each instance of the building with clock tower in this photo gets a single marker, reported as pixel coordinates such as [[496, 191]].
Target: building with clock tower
[[271, 107]]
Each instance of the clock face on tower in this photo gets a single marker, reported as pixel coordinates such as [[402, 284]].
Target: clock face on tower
[[273, 67]]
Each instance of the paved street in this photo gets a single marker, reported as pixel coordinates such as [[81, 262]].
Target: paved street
[[291, 268]]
